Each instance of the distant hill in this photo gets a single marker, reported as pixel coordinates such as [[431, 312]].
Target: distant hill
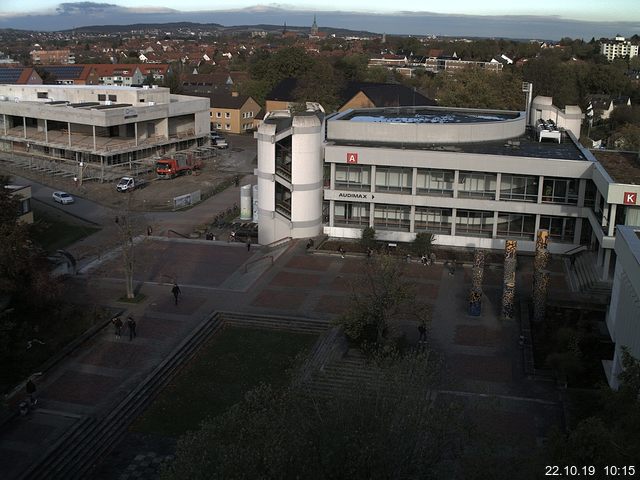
[[175, 26]]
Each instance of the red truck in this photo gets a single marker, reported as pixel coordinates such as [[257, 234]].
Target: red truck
[[178, 165]]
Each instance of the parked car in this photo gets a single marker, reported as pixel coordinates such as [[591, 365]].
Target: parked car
[[127, 184], [62, 197]]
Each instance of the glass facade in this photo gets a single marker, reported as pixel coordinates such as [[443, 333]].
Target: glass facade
[[348, 214], [519, 188], [560, 190], [474, 223], [561, 229], [394, 179], [433, 219], [477, 185], [392, 217], [516, 225], [434, 182], [353, 177]]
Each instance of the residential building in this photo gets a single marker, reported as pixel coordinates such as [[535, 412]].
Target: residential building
[[623, 317], [233, 113], [19, 76], [474, 178], [603, 105], [23, 194], [99, 126], [130, 74], [72, 74], [618, 48], [47, 57], [371, 95]]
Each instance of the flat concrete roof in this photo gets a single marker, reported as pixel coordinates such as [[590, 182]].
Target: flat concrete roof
[[523, 146], [623, 167], [425, 115]]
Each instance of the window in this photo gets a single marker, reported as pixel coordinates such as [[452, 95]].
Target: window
[[102, 97], [519, 188], [474, 223], [433, 219], [516, 225], [561, 229], [218, 115], [590, 194], [113, 98], [43, 94], [227, 115], [25, 206], [477, 185], [218, 126], [393, 179], [227, 126], [560, 190], [353, 177], [435, 182], [351, 213], [392, 217]]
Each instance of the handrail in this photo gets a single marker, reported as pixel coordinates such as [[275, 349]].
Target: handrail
[[576, 250], [277, 243], [177, 233], [246, 265]]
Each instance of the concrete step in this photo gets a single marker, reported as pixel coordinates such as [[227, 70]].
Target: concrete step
[[298, 324]]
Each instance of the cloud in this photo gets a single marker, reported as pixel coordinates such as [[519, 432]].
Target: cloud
[[87, 8]]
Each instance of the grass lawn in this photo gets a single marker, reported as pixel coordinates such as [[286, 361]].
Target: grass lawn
[[231, 363], [55, 230], [62, 326]]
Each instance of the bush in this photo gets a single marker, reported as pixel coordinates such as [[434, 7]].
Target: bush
[[368, 238]]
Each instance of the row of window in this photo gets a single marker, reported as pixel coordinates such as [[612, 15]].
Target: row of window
[[523, 188], [474, 223], [227, 126]]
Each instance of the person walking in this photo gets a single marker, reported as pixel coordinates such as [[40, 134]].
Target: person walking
[[131, 323], [342, 251], [31, 391], [248, 245], [176, 292], [117, 323], [422, 330]]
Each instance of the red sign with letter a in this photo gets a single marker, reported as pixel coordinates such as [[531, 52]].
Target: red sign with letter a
[[630, 198], [352, 158]]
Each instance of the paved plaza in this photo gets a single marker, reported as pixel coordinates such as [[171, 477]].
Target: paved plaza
[[483, 361]]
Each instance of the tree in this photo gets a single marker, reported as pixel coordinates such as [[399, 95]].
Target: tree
[[386, 428], [368, 238], [423, 244], [381, 299], [320, 83], [478, 88]]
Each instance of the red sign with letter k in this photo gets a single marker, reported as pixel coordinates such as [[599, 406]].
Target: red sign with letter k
[[630, 198]]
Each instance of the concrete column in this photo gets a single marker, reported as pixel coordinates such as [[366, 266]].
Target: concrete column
[[456, 179], [540, 188], [578, 231], [612, 219], [332, 205], [46, 131], [582, 188], [494, 230], [135, 129], [373, 179], [498, 183], [24, 127], [454, 215], [371, 214], [414, 186], [69, 132], [93, 127], [537, 224], [605, 215], [605, 265], [412, 217], [332, 183], [4, 119]]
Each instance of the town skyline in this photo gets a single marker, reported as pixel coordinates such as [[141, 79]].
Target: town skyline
[[566, 20]]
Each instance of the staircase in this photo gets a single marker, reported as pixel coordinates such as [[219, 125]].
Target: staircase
[[584, 278], [73, 456], [276, 322]]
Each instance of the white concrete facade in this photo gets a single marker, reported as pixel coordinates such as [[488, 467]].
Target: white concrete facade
[[623, 318], [290, 173], [619, 48], [99, 124]]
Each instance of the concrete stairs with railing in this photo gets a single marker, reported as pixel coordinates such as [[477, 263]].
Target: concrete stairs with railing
[[584, 278]]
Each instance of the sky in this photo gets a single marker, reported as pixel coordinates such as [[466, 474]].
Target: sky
[[540, 19], [590, 10]]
